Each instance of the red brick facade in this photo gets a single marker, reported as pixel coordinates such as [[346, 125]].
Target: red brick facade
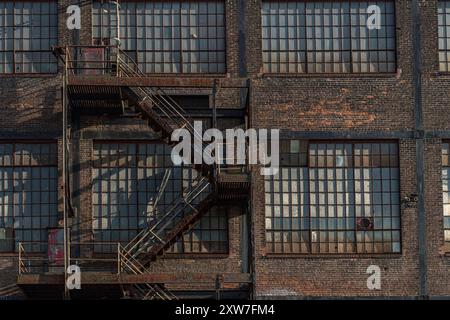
[[312, 107]]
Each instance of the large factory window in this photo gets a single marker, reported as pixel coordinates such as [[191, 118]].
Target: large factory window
[[28, 30], [166, 36], [446, 192], [28, 193], [126, 181], [344, 199], [444, 35], [327, 37]]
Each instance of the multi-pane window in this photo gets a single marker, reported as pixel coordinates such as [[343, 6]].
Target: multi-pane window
[[345, 199], [28, 30], [446, 191], [166, 36], [444, 35], [293, 153], [28, 192], [327, 37], [127, 178], [210, 235]]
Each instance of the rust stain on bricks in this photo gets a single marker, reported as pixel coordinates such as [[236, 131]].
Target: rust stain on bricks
[[331, 112]]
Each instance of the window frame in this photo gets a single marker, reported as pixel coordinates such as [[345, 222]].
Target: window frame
[[13, 165], [308, 193], [14, 51], [297, 74], [444, 204], [438, 49], [135, 52], [181, 242]]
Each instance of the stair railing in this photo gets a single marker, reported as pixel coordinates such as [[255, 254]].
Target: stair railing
[[167, 105], [147, 291], [154, 234]]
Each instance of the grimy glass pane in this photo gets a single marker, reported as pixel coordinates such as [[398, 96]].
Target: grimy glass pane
[[346, 198], [160, 33], [28, 30], [324, 35], [126, 181], [446, 189], [444, 35], [28, 192]]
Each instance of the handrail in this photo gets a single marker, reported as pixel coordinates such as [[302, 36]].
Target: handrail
[[164, 96], [36, 262], [128, 261], [22, 266], [126, 66], [151, 101], [173, 109], [191, 195]]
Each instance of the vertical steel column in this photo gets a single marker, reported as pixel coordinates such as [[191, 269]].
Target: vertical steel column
[[64, 179], [118, 21], [247, 230], [420, 139], [118, 41]]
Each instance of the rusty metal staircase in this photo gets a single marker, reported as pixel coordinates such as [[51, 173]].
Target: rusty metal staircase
[[182, 213], [163, 115], [147, 291]]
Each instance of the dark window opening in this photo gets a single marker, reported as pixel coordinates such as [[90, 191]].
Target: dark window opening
[[192, 102]]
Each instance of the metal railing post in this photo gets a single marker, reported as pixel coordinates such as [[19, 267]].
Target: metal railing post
[[117, 60], [119, 259], [20, 258]]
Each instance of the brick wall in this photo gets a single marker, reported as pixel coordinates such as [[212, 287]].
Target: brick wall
[[435, 98], [90, 128], [338, 275], [304, 106], [337, 107]]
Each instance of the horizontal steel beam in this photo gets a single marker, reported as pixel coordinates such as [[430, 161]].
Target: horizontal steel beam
[[166, 82], [286, 134], [107, 278]]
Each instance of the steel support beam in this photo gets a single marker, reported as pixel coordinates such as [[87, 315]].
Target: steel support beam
[[162, 82], [420, 141]]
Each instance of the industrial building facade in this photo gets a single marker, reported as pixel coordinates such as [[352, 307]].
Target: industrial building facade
[[364, 149]]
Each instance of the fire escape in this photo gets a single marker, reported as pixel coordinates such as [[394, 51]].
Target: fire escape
[[214, 183]]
